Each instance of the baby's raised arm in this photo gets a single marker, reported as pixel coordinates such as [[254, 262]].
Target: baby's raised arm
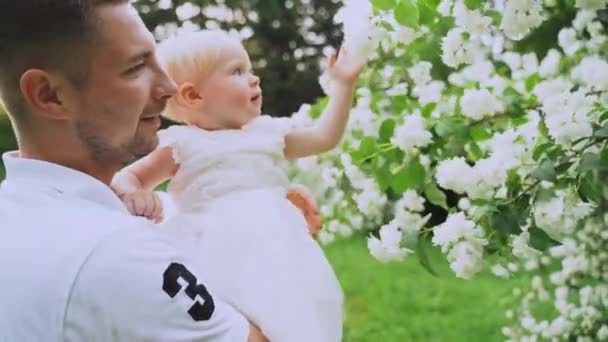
[[344, 70]]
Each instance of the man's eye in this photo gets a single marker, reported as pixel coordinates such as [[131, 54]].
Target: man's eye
[[136, 68]]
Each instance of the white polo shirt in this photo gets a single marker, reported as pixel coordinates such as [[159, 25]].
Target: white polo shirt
[[76, 266]]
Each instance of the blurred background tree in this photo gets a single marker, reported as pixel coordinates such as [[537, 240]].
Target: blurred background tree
[[285, 40]]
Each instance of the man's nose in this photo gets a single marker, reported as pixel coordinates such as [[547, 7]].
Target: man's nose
[[165, 87]]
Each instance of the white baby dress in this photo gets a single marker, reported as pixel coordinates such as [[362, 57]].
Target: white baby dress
[[252, 244]]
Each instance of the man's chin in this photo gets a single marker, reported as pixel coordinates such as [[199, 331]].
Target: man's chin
[[144, 146]]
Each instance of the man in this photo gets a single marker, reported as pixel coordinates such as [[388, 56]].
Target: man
[[84, 91]]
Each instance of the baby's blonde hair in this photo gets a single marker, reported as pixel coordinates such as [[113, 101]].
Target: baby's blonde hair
[[189, 57]]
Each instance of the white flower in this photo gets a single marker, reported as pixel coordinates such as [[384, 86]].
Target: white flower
[[420, 73], [371, 201], [583, 18], [602, 333], [500, 271], [466, 259], [493, 171], [520, 16], [411, 201], [360, 34], [472, 22], [412, 134], [558, 327], [326, 237], [477, 104], [403, 34], [557, 87], [410, 223], [429, 93], [397, 89], [388, 247], [568, 42], [568, 116], [521, 246], [362, 119], [454, 229], [592, 71], [548, 215], [550, 64], [455, 174], [457, 49], [591, 5]]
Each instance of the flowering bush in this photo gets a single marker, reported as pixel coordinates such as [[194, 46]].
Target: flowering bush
[[482, 126]]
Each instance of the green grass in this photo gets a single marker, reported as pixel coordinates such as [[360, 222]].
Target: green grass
[[401, 302]]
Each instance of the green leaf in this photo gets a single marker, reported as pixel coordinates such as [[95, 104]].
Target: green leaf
[[409, 177], [505, 222], [428, 14], [435, 195], [382, 174], [475, 152], [473, 4], [540, 150], [532, 81], [479, 132], [317, 108], [423, 257], [495, 15], [546, 172], [367, 147], [384, 4], [589, 162], [407, 13], [540, 240], [432, 3], [602, 132], [387, 129], [451, 126], [589, 188], [604, 116], [428, 109]]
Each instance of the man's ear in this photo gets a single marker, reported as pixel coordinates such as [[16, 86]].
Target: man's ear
[[40, 90], [187, 96]]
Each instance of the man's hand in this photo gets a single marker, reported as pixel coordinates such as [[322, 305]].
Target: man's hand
[[303, 199], [144, 203]]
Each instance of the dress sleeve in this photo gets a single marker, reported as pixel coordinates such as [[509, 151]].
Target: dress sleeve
[[173, 137], [276, 126]]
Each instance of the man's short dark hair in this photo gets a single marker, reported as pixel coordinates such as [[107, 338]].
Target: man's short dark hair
[[46, 34]]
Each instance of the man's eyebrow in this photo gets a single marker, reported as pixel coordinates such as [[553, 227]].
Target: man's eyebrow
[[142, 55]]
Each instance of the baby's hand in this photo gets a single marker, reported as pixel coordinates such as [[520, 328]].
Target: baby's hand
[[345, 67], [303, 199], [144, 203]]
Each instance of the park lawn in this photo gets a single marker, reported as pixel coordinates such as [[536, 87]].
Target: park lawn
[[402, 302]]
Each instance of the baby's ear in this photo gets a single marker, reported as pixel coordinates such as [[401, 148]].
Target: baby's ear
[[188, 96]]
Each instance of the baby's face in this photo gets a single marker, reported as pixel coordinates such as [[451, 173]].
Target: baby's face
[[231, 93]]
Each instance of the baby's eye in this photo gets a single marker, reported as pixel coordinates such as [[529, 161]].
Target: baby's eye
[[238, 71]]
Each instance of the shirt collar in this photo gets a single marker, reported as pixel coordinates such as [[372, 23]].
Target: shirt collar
[[44, 176]]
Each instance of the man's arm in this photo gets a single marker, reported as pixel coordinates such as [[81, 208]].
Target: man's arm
[[136, 287]]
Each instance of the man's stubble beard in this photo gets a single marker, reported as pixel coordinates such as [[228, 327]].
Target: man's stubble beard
[[101, 149]]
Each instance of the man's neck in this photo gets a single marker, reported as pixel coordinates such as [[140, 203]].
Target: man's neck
[[74, 160]]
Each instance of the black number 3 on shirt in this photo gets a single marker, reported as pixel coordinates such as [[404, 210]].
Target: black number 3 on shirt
[[198, 311]]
